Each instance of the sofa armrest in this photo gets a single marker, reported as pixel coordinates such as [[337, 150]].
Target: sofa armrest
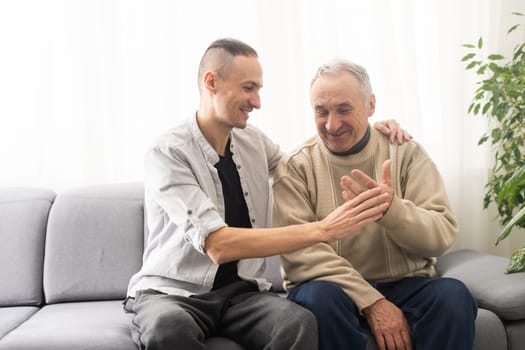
[[484, 275]]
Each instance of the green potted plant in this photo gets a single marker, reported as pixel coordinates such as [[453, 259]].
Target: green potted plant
[[500, 97]]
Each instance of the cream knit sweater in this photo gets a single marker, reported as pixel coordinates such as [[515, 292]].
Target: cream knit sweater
[[418, 225]]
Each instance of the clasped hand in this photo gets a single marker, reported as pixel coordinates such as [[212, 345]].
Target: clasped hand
[[353, 187]]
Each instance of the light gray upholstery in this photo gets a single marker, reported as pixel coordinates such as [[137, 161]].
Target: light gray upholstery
[[71, 326], [500, 297], [12, 317], [503, 294], [83, 325], [490, 332], [516, 333], [23, 220], [94, 243]]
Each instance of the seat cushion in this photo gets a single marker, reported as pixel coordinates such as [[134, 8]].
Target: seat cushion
[[23, 220], [73, 326], [485, 277], [95, 240], [12, 317], [83, 325], [515, 334], [490, 332]]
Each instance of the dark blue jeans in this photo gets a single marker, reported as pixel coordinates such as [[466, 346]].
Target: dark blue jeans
[[440, 311]]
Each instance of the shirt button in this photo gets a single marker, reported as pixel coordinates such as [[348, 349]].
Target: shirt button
[[190, 212], [253, 221], [238, 166], [245, 194]]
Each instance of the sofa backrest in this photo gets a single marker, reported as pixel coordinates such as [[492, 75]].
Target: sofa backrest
[[82, 244], [94, 243], [23, 220]]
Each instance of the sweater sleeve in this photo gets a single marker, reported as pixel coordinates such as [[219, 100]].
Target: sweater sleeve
[[419, 219], [294, 203]]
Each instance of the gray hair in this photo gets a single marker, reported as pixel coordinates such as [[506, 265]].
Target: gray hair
[[341, 65]]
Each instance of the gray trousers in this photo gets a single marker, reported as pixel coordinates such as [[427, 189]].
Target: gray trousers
[[238, 311]]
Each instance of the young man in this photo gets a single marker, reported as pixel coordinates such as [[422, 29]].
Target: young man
[[382, 277], [207, 202]]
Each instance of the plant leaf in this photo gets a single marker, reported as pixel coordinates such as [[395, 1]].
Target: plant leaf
[[486, 107], [473, 64], [480, 42], [494, 67], [511, 29], [512, 186], [481, 69], [483, 140], [496, 57], [469, 46], [508, 227], [517, 261], [468, 57], [470, 107]]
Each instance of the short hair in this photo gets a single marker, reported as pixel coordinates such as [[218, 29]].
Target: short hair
[[339, 65], [220, 53]]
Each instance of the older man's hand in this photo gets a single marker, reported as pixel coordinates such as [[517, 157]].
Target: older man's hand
[[389, 326]]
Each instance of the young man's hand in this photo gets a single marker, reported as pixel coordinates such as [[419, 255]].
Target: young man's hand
[[360, 182], [392, 128]]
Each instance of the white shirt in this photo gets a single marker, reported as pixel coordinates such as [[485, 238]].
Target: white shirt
[[184, 203]]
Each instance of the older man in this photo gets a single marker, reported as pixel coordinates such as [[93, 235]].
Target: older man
[[382, 277]]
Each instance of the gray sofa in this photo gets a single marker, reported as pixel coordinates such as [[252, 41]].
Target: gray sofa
[[65, 262]]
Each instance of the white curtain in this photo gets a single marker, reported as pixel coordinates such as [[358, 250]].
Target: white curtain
[[86, 86]]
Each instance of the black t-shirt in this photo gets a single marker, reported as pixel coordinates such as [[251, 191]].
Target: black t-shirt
[[236, 211]]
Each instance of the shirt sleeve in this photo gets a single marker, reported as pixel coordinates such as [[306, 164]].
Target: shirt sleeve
[[173, 186]]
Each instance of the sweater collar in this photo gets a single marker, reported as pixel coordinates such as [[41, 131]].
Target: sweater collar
[[358, 147], [365, 150]]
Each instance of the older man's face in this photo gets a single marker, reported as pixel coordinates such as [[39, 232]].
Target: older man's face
[[341, 112]]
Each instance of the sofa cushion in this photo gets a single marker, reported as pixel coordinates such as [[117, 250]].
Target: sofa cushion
[[23, 220], [71, 326], [12, 317], [484, 276], [83, 325], [515, 334], [94, 243], [490, 332]]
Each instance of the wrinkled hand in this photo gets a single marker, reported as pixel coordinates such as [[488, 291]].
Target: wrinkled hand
[[392, 128], [389, 326], [361, 182], [364, 208]]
